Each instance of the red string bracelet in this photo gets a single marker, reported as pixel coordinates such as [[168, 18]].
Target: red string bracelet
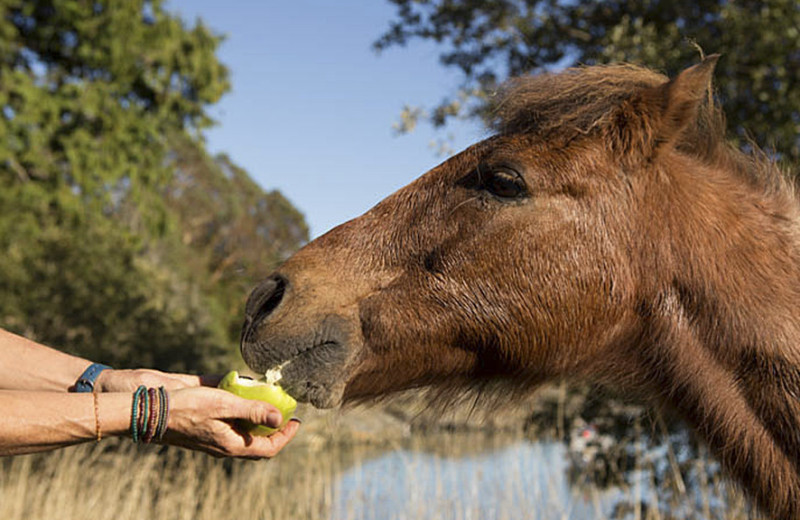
[[98, 434]]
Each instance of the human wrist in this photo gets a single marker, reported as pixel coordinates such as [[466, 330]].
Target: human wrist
[[106, 381], [113, 413]]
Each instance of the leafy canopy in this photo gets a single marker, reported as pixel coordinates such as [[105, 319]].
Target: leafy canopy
[[123, 240], [490, 40]]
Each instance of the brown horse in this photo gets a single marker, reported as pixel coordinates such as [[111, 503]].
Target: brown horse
[[605, 231]]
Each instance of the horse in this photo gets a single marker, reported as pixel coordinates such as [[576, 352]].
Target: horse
[[605, 230]]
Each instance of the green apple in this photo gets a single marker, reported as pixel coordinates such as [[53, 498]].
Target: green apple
[[267, 391]]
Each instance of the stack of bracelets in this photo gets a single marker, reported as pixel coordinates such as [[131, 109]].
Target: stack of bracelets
[[149, 414]]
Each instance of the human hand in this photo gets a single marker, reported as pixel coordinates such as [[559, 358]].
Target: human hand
[[203, 419], [113, 380]]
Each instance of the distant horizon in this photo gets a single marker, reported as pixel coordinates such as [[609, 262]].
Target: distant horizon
[[311, 107]]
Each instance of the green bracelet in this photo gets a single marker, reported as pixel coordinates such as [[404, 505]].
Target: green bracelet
[[137, 397]]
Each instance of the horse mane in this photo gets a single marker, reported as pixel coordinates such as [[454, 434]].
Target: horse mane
[[583, 101]]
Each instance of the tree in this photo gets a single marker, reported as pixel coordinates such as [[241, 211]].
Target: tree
[[234, 232], [89, 89], [758, 77], [103, 176]]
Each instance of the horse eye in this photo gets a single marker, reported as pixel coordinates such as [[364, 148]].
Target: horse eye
[[506, 184]]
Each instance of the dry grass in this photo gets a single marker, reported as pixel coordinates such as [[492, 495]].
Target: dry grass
[[126, 483], [442, 477]]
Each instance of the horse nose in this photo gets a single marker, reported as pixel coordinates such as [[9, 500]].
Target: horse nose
[[264, 299]]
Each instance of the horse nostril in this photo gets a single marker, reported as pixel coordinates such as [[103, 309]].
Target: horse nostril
[[264, 299]]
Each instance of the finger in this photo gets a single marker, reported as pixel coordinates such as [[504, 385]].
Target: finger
[[256, 412], [156, 378], [210, 379], [270, 446], [176, 381]]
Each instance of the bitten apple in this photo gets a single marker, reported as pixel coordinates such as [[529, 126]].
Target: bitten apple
[[267, 391]]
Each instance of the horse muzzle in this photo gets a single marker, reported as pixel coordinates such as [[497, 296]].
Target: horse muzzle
[[311, 347]]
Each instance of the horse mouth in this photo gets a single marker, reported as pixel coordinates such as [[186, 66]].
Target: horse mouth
[[310, 374]]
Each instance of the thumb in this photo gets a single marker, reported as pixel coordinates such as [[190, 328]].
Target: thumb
[[256, 412]]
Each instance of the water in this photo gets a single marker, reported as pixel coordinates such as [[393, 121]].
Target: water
[[501, 479]]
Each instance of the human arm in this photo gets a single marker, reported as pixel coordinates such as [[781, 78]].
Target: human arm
[[28, 365], [199, 418]]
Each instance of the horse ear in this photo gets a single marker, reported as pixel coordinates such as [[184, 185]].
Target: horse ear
[[657, 115], [684, 95]]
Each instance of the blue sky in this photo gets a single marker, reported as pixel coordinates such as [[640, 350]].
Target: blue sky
[[312, 105]]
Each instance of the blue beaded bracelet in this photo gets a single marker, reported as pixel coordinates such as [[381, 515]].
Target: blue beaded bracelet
[[137, 397]]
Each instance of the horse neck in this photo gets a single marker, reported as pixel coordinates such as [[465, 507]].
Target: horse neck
[[722, 333]]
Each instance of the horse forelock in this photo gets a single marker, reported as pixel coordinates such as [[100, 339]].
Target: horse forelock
[[574, 101], [583, 101]]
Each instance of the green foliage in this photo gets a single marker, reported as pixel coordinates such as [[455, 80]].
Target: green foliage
[[122, 240], [88, 89], [82, 287], [490, 40], [231, 232]]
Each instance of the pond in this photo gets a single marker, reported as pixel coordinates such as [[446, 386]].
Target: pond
[[519, 480]]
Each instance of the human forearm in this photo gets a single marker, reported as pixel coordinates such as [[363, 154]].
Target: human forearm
[[39, 421], [27, 365]]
